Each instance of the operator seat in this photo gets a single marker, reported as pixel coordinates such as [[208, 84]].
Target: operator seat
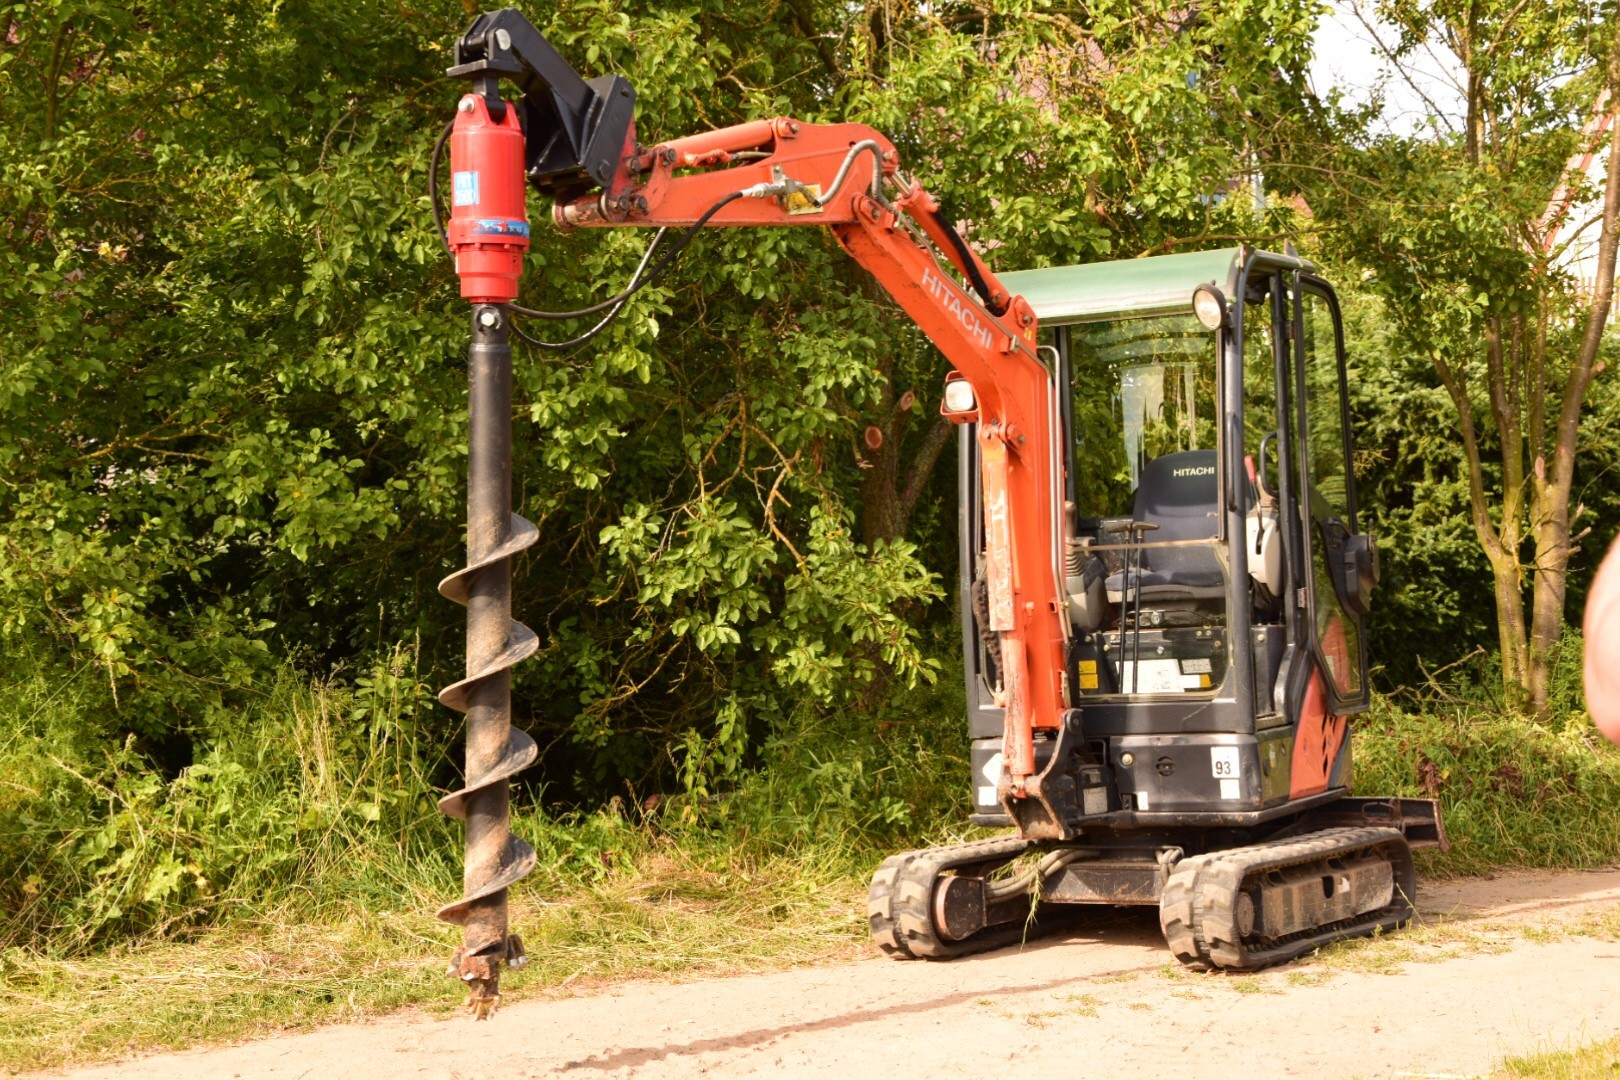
[[1178, 493]]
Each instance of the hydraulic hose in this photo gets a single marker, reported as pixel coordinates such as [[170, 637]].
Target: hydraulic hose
[[433, 186], [865, 146], [615, 304], [970, 264], [1034, 876]]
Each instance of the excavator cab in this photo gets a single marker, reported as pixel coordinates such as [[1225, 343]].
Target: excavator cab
[[1216, 575], [1216, 580]]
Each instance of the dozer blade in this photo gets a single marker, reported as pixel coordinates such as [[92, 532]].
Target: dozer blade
[[1251, 907]]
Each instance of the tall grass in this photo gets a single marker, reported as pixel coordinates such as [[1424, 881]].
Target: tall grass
[[288, 874], [1594, 1061], [318, 794], [1514, 792], [320, 799]]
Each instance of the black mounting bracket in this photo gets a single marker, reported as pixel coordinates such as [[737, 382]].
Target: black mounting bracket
[[574, 129]]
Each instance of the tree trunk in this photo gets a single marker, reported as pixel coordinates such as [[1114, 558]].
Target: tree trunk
[[1552, 485], [887, 501], [880, 489], [891, 487], [1498, 536], [1508, 581], [1547, 603]]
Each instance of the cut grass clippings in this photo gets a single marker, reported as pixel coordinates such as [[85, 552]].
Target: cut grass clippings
[[671, 917], [1596, 1061]]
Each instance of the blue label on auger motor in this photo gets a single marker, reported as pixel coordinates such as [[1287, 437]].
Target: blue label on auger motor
[[500, 227], [465, 191]]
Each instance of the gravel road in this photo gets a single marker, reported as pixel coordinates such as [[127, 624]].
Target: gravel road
[[1099, 1002]]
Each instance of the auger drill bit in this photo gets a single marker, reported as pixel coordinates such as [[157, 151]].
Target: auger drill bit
[[488, 233]]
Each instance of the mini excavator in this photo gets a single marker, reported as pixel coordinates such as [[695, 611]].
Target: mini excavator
[[1164, 577]]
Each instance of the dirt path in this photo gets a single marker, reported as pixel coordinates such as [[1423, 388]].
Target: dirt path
[[1476, 983]]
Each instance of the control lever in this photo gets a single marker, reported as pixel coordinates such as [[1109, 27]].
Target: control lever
[[1135, 530], [1258, 473]]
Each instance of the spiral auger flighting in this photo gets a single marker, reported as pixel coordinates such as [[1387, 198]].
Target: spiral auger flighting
[[495, 642]]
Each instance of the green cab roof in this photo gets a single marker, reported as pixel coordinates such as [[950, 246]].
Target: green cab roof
[[1129, 287]]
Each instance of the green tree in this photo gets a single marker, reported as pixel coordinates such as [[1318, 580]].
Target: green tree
[[232, 386], [1452, 227]]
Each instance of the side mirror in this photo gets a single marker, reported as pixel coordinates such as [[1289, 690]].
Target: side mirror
[[1355, 564]]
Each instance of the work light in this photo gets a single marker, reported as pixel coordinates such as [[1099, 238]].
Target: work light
[[959, 396], [1210, 306]]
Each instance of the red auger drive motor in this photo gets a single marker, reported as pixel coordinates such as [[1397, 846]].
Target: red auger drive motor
[[489, 227]]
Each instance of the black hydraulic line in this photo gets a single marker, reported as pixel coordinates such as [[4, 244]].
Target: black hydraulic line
[[614, 305], [969, 264], [433, 186], [640, 281], [495, 642]]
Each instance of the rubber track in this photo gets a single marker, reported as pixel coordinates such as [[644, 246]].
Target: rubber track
[[899, 904], [1198, 909]]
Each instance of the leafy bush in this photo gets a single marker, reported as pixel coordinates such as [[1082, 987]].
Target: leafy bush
[[321, 791], [1514, 792], [232, 405], [322, 798]]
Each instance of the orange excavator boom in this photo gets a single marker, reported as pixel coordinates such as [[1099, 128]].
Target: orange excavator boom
[[847, 178]]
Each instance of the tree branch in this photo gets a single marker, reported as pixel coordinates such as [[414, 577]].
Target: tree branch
[[1488, 536], [1597, 316], [922, 466]]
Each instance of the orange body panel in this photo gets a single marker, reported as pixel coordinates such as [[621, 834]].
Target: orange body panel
[[996, 354], [716, 147], [1316, 742]]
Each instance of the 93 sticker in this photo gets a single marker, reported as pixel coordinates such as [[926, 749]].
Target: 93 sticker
[[1226, 766]]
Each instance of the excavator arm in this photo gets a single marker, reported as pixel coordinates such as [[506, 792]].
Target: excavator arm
[[783, 172], [846, 177]]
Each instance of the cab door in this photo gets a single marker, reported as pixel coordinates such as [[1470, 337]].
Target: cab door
[[1340, 560]]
